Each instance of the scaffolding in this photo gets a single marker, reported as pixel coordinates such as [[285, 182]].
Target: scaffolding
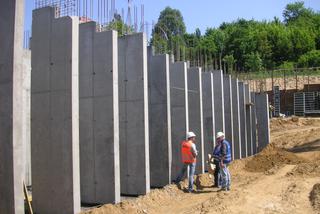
[[64, 7]]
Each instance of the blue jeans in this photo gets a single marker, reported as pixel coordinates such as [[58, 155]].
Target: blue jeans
[[225, 176], [192, 167]]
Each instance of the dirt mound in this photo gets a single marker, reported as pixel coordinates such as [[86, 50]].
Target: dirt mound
[[271, 157], [203, 181], [311, 169], [142, 204], [315, 197], [280, 124]]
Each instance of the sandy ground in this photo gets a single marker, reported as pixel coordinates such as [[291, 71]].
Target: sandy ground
[[283, 178]]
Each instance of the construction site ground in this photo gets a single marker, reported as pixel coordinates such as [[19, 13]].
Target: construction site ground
[[283, 178]]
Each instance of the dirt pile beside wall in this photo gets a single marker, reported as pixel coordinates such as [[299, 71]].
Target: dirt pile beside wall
[[271, 157]]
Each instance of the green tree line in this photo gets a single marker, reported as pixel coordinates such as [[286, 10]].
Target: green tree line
[[244, 45]]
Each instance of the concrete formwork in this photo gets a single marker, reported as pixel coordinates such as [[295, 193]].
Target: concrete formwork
[[99, 115], [243, 129], [134, 118], [159, 120], [195, 107], [262, 114], [254, 124], [248, 119], [26, 100], [236, 119], [218, 101], [208, 113], [228, 112], [55, 113], [179, 112], [11, 107]]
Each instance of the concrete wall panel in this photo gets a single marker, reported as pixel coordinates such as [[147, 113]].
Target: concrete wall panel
[[134, 121], [218, 101], [99, 115], [254, 124], [236, 119], [55, 113], [262, 113], [26, 100], [12, 110], [228, 112], [208, 114], [179, 112], [196, 114], [242, 109], [248, 119], [159, 120]]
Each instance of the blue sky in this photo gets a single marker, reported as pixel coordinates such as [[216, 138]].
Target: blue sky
[[205, 13]]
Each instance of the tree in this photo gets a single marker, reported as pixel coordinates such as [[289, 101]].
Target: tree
[[310, 59], [295, 10], [229, 59], [171, 27], [302, 42], [252, 45], [118, 25], [218, 37], [253, 62]]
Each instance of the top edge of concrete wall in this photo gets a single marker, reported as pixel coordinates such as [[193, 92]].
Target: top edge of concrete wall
[[134, 35]]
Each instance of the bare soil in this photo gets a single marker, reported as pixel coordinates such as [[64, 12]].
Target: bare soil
[[283, 178], [287, 83]]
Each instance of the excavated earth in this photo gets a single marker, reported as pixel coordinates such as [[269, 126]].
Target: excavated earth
[[283, 178]]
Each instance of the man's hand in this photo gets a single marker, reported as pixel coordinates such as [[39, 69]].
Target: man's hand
[[221, 164]]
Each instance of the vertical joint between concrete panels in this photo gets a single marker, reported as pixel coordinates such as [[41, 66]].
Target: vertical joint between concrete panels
[[186, 96], [146, 113], [201, 121], [116, 147], [168, 80], [213, 110]]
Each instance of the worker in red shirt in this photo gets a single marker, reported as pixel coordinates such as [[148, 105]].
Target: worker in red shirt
[[189, 153]]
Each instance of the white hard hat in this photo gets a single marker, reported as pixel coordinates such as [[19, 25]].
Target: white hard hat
[[220, 134], [190, 134]]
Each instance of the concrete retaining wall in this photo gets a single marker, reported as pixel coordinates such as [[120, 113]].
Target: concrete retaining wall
[[134, 118], [218, 101], [228, 112], [55, 113], [242, 110], [248, 120], [99, 115], [179, 112], [254, 123], [196, 113], [159, 120], [12, 110], [26, 101], [236, 119], [208, 114], [262, 113]]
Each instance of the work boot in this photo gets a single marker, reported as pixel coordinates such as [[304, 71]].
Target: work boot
[[192, 191], [223, 189]]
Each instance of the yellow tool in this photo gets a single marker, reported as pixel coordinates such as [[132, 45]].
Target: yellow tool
[[28, 199], [211, 166]]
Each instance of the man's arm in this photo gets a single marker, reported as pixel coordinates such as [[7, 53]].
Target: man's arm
[[194, 150], [223, 151]]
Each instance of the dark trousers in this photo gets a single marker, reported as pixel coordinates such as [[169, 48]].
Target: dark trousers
[[217, 179]]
